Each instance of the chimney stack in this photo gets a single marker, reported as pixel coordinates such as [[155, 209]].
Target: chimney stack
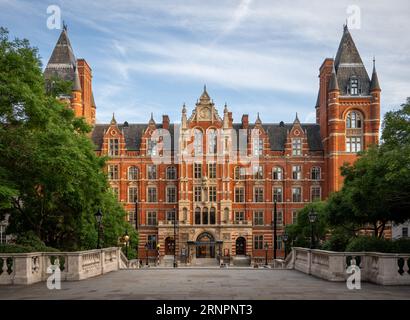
[[165, 122]]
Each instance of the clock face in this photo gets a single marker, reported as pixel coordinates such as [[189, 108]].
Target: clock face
[[205, 113]]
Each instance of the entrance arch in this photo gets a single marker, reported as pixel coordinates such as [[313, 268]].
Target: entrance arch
[[205, 246], [169, 246], [240, 246]]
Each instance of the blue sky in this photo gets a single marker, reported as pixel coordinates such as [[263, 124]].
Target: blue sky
[[255, 55]]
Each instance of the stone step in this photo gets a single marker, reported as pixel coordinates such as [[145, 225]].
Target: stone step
[[202, 262]]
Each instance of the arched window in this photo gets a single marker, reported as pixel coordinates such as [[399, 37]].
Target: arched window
[[205, 216], [277, 173], [212, 216], [315, 173], [353, 120], [133, 173], [197, 215], [212, 141], [198, 141], [171, 173]]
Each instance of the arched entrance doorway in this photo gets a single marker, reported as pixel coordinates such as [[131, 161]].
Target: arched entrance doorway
[[169, 246], [240, 246], [205, 246]]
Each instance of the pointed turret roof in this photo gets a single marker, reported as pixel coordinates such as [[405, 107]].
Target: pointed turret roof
[[333, 85], [374, 84], [348, 64], [113, 121], [318, 99], [76, 82], [296, 119], [62, 63]]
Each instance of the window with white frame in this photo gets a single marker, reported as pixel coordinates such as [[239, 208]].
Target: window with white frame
[[197, 170], [171, 173], [258, 242], [258, 172], [279, 218], [296, 146], [133, 173], [354, 120], [296, 172], [132, 194], [239, 194], [239, 216], [212, 194], [113, 172], [151, 147], [171, 194], [240, 173], [131, 216], [152, 172], [258, 219], [257, 146], [198, 140], [212, 170], [297, 194], [197, 194], [279, 242], [170, 215], [277, 173], [277, 194], [151, 218], [354, 86], [258, 194], [315, 173], [152, 194], [212, 141], [114, 147], [353, 144], [294, 216], [316, 193]]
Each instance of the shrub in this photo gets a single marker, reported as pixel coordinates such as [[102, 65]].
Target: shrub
[[401, 246], [30, 240], [337, 242], [15, 248], [369, 244]]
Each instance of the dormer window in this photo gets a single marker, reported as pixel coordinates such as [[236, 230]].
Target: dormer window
[[113, 147], [296, 146], [257, 147], [354, 86], [152, 150]]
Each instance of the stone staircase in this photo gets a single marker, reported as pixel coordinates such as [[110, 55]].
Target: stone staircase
[[168, 261], [205, 262], [241, 261]]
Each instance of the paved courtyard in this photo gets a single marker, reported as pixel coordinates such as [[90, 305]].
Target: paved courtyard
[[204, 284]]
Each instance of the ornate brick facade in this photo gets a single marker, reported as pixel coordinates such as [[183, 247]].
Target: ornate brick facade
[[222, 178]]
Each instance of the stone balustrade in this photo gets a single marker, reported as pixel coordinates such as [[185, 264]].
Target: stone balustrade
[[28, 268], [380, 268]]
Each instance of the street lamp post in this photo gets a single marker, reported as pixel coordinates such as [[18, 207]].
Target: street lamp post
[[275, 216], [285, 239], [98, 217], [266, 253], [312, 218], [126, 240], [146, 253], [136, 214], [175, 237]]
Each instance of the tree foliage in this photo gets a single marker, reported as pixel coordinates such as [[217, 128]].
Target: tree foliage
[[51, 180]]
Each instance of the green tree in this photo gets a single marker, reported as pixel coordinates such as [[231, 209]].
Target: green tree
[[51, 179]]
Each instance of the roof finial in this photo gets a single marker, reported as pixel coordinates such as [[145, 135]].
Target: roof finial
[[374, 62], [225, 108], [113, 121], [297, 118], [258, 119], [204, 87], [183, 108], [64, 26]]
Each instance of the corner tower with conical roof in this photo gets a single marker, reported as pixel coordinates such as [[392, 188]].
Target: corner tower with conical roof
[[347, 109], [63, 65]]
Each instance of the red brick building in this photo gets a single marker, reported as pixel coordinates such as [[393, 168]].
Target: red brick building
[[218, 178]]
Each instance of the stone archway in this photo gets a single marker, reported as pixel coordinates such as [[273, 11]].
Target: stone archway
[[169, 246], [240, 246], [205, 245]]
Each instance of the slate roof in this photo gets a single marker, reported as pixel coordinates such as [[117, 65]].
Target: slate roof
[[277, 134], [62, 63], [348, 63]]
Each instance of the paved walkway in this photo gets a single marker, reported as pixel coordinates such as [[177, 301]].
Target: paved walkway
[[204, 284]]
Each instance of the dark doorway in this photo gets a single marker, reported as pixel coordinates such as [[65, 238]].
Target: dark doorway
[[205, 246], [240, 246], [169, 246]]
